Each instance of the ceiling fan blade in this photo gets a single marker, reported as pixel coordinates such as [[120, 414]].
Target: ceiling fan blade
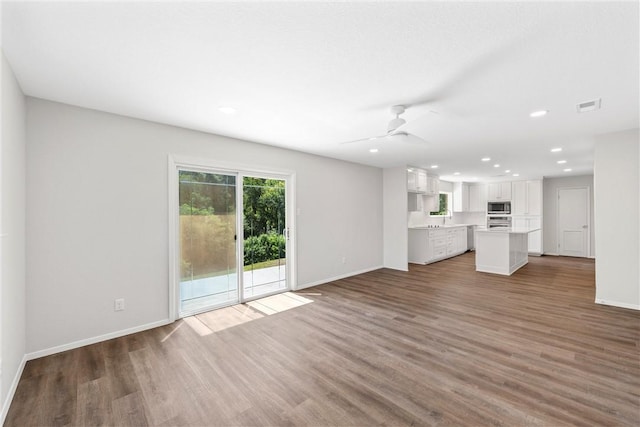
[[364, 139], [409, 138], [466, 75], [413, 139]]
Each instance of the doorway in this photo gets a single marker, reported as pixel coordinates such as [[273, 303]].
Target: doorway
[[573, 222], [231, 237]]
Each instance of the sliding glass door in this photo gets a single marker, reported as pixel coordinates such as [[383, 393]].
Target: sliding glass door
[[232, 237], [265, 236], [208, 249]]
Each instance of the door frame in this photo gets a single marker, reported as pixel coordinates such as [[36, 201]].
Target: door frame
[[559, 231], [175, 163]]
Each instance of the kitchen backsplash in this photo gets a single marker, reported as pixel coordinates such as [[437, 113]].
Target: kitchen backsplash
[[416, 219]]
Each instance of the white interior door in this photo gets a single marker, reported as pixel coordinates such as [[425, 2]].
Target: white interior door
[[573, 222]]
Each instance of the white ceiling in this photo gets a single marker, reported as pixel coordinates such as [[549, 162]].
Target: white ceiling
[[309, 75]]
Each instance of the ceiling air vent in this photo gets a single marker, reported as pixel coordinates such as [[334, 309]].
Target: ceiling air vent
[[583, 107]]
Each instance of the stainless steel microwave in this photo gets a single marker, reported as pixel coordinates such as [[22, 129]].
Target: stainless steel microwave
[[499, 208]]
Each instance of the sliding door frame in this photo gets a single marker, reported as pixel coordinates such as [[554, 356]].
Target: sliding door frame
[[179, 162]]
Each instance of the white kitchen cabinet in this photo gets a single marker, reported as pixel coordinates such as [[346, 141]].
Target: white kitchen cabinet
[[526, 197], [534, 197], [478, 198], [460, 197], [535, 237], [500, 191], [433, 185], [456, 240], [428, 245], [519, 198], [412, 180], [423, 184], [417, 180]]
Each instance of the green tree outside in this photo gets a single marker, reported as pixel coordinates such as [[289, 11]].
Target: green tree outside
[[207, 218]]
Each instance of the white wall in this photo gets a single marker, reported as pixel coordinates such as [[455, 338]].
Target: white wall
[[617, 216], [396, 233], [550, 213], [97, 217], [12, 228]]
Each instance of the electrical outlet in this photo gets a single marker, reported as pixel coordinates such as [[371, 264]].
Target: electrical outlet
[[118, 305]]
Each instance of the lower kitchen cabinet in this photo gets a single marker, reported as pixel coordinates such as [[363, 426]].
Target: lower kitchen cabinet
[[427, 245]]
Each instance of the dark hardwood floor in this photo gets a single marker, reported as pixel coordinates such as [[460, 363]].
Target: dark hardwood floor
[[438, 345]]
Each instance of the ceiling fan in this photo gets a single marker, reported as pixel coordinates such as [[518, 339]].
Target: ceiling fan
[[394, 129]]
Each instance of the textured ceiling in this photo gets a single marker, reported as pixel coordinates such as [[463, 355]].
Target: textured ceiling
[[310, 75]]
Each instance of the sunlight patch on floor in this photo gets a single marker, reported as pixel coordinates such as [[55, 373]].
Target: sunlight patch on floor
[[217, 320], [278, 303], [199, 327]]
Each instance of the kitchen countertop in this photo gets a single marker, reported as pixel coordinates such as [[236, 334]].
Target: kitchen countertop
[[510, 230], [426, 227]]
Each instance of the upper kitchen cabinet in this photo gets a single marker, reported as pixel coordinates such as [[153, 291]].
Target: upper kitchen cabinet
[[433, 185], [500, 191], [478, 198], [417, 181], [412, 180], [526, 198], [460, 197]]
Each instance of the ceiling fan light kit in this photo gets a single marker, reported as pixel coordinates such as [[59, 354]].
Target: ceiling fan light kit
[[395, 124], [398, 121], [393, 128]]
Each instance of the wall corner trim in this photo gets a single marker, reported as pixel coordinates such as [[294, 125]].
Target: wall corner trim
[[12, 390], [93, 340]]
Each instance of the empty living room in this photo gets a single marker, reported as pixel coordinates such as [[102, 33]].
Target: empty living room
[[319, 213]]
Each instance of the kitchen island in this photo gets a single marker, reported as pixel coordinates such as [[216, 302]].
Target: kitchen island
[[502, 250]]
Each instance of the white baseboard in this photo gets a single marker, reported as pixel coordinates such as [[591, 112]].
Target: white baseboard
[[618, 304], [556, 254], [332, 279], [93, 340], [12, 390]]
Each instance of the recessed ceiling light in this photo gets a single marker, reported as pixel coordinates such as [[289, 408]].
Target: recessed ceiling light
[[516, 174], [567, 170], [434, 166], [409, 170], [538, 113], [485, 159], [562, 162], [373, 150], [556, 150], [496, 165], [507, 171], [456, 173], [227, 110]]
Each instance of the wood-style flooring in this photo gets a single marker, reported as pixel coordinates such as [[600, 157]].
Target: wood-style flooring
[[438, 345]]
